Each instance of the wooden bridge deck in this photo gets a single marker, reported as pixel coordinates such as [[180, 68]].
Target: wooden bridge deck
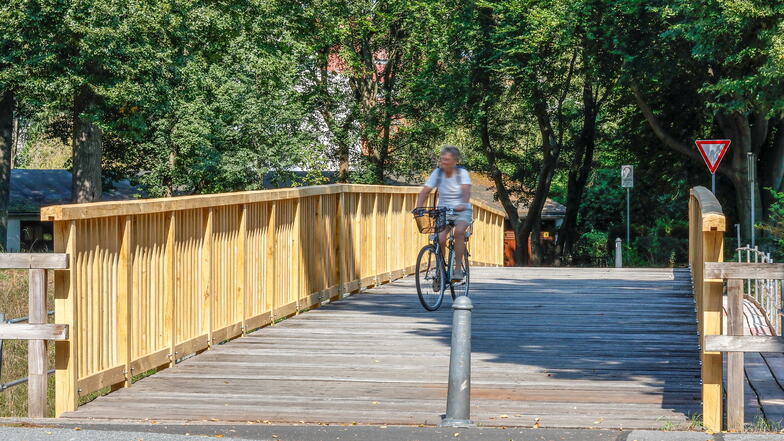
[[572, 347]]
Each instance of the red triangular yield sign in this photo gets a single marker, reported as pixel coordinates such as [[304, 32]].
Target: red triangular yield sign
[[712, 150]]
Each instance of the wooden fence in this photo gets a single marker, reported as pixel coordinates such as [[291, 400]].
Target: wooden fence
[[37, 331], [152, 281]]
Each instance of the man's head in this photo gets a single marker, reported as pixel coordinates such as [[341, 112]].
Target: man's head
[[450, 156]]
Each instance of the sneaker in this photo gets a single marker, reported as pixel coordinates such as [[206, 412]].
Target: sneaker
[[458, 275]]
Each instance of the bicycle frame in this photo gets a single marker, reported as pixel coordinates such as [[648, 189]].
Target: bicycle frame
[[450, 262]]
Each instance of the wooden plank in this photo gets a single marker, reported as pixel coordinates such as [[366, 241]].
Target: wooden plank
[[195, 344], [735, 377], [206, 274], [241, 273], [150, 361], [36, 350], [22, 331], [749, 343], [124, 295], [170, 273], [711, 314], [734, 270], [97, 381], [33, 261], [66, 397]]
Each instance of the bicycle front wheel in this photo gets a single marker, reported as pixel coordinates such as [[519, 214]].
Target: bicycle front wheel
[[430, 281]]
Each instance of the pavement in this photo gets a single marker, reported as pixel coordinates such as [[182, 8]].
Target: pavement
[[237, 432]]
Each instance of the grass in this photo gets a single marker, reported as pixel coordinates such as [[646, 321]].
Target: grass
[[762, 424], [13, 303]]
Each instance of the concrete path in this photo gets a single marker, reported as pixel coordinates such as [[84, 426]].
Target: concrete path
[[147, 432]]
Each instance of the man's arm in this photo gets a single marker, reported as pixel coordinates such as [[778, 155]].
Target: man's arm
[[423, 195], [466, 191]]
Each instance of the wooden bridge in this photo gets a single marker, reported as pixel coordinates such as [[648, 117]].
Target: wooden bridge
[[195, 289]]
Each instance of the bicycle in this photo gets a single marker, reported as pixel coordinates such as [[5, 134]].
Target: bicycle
[[433, 273]]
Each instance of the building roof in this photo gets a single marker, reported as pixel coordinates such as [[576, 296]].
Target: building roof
[[32, 189], [483, 189]]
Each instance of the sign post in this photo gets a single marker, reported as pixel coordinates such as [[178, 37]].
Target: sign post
[[712, 151], [627, 181]]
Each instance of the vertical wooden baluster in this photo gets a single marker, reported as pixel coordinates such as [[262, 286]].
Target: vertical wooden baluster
[[270, 285], [36, 349], [124, 305], [241, 273], [170, 321], [735, 376], [206, 273]]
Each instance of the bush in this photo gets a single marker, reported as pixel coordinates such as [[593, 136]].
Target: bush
[[775, 226], [592, 249]]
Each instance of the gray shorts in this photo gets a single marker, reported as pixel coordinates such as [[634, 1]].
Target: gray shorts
[[465, 216]]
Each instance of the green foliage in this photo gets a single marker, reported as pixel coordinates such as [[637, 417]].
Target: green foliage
[[592, 249], [774, 226]]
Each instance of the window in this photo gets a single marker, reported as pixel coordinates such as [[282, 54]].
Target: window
[[36, 236]]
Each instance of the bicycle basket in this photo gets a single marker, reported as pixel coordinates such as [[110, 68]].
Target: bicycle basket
[[429, 223]]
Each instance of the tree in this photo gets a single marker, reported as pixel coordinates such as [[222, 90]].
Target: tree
[[726, 56]]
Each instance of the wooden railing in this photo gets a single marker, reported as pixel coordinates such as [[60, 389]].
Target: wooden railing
[[707, 225], [152, 281], [734, 342], [37, 331], [706, 244]]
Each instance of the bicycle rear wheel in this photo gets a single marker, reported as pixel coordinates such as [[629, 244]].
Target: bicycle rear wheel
[[430, 281], [462, 288]]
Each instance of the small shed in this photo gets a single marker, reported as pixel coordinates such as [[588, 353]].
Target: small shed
[[31, 189], [553, 215]]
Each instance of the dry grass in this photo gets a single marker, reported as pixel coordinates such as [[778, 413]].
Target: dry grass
[[13, 303]]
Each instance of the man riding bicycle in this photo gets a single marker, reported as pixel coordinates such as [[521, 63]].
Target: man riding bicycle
[[453, 186]]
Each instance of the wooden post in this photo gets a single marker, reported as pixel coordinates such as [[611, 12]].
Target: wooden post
[[241, 274], [296, 254], [170, 322], [206, 273], [36, 352], [66, 397], [735, 380], [340, 240], [271, 276], [124, 296], [712, 251]]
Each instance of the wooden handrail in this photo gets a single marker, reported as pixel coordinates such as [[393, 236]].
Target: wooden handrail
[[707, 225], [151, 281], [147, 206]]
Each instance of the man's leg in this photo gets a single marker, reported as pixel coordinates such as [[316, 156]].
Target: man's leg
[[460, 231]]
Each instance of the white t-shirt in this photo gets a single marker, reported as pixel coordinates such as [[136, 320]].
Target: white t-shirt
[[449, 192]]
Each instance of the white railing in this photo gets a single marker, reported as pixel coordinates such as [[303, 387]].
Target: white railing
[[765, 293]]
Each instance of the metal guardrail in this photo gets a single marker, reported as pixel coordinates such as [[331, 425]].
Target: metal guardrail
[[18, 381], [765, 293]]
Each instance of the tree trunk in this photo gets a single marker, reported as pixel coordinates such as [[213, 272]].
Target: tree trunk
[[7, 105], [735, 127], [578, 173], [551, 152], [87, 149]]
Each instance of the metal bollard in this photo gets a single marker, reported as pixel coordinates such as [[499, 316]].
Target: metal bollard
[[458, 402], [618, 253]]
